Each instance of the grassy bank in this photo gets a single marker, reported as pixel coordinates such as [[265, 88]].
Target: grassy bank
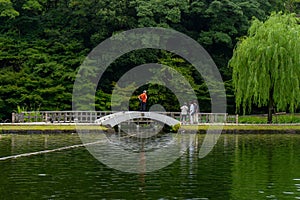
[[46, 128], [251, 127], [73, 127]]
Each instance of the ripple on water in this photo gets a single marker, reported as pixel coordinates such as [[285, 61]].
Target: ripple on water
[[42, 174], [288, 193], [271, 196]]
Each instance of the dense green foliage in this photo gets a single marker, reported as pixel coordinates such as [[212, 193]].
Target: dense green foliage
[[43, 42], [270, 55]]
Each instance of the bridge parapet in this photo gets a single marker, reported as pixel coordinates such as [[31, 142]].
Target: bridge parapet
[[119, 117]]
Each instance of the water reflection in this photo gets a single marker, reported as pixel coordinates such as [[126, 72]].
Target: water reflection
[[267, 164], [132, 153], [239, 167]]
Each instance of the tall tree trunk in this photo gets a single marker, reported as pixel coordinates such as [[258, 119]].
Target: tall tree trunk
[[270, 107]]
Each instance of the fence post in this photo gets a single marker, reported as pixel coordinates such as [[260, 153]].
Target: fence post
[[236, 118], [13, 117]]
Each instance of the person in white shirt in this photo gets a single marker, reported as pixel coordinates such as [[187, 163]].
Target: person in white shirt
[[192, 112], [183, 114], [196, 108]]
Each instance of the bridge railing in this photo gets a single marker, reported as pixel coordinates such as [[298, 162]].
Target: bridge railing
[[91, 116], [58, 116]]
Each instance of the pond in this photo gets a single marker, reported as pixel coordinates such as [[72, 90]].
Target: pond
[[264, 166]]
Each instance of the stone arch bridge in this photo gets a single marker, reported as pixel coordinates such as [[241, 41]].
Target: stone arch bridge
[[119, 117]]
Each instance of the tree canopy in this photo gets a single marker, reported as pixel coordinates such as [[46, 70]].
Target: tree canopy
[[266, 65], [43, 43]]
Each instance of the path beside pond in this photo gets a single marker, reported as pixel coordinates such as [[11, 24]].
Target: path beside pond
[[46, 128]]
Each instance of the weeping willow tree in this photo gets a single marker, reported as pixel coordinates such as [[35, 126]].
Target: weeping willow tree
[[266, 65]]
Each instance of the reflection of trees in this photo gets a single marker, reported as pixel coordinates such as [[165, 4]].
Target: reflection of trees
[[265, 165]]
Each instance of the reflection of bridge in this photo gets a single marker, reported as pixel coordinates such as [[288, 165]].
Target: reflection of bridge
[[119, 117]]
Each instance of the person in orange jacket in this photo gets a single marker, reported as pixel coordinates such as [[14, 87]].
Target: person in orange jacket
[[143, 99]]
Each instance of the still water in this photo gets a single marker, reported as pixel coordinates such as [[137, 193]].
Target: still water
[[239, 167]]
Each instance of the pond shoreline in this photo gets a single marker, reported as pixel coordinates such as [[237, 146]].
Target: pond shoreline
[[35, 128]]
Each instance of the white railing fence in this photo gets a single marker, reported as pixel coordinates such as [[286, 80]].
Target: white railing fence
[[91, 116]]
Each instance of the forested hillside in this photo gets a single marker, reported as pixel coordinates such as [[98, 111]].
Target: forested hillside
[[43, 43]]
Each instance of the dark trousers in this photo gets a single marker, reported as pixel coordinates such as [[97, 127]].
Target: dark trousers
[[143, 106]]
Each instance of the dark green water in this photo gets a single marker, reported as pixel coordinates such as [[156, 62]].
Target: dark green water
[[239, 167]]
